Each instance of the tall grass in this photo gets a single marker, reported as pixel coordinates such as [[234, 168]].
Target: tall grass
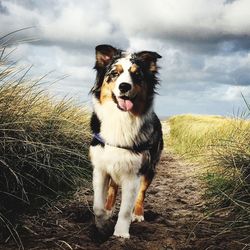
[[222, 145], [192, 134], [43, 143]]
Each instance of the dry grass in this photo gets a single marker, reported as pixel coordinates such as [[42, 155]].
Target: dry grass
[[222, 145], [43, 144]]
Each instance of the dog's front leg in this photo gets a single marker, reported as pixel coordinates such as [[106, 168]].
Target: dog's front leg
[[130, 186], [100, 185]]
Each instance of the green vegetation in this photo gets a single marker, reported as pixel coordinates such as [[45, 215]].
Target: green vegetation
[[43, 144], [193, 134], [222, 146]]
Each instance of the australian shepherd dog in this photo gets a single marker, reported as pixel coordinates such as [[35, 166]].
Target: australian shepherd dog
[[127, 136]]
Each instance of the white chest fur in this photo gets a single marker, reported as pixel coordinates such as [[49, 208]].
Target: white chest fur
[[118, 163], [117, 128]]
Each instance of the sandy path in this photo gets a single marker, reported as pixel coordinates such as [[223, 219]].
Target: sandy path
[[173, 207]]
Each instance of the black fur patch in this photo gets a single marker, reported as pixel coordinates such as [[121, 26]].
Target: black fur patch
[[95, 125], [156, 146], [96, 142], [145, 77]]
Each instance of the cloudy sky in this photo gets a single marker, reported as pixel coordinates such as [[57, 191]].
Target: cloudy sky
[[205, 46]]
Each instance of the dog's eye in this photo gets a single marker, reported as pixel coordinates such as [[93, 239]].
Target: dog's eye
[[113, 74]]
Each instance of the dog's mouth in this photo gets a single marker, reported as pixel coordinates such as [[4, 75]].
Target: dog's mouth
[[124, 103]]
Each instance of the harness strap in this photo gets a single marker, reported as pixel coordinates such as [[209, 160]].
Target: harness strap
[[99, 138], [135, 148]]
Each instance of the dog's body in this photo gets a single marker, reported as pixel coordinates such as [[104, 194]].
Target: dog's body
[[127, 140]]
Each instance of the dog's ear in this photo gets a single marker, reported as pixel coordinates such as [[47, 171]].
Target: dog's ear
[[104, 55], [150, 59]]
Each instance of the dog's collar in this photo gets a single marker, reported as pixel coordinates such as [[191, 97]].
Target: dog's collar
[[135, 148], [99, 138]]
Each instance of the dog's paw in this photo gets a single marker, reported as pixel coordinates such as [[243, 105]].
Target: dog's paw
[[102, 217], [138, 218], [121, 234], [101, 222], [108, 214], [121, 229]]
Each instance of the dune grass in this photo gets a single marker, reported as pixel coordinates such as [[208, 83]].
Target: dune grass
[[192, 134], [222, 146], [43, 144]]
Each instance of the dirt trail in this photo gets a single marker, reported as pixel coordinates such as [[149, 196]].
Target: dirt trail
[[172, 209]]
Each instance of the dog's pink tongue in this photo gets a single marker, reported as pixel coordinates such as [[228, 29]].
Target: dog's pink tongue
[[126, 105]]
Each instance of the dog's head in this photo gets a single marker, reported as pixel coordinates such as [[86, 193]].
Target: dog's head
[[127, 79]]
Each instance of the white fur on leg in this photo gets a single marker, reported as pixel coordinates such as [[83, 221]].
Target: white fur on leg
[[130, 187], [100, 184], [122, 227]]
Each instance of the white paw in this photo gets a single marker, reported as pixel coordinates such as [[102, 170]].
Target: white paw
[[138, 218], [121, 234]]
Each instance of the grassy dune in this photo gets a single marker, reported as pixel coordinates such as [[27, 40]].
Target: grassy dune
[[222, 145], [195, 134], [43, 144]]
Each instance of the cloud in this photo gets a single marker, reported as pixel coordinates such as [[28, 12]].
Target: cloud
[[215, 26], [205, 45], [69, 24], [199, 25], [235, 93], [189, 23], [202, 99]]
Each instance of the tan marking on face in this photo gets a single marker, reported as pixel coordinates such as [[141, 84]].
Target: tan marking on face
[[133, 68], [106, 91], [119, 68], [153, 67]]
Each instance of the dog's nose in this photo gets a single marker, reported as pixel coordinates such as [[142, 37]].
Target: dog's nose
[[124, 87]]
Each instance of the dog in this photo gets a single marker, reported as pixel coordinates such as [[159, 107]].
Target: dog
[[127, 135]]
